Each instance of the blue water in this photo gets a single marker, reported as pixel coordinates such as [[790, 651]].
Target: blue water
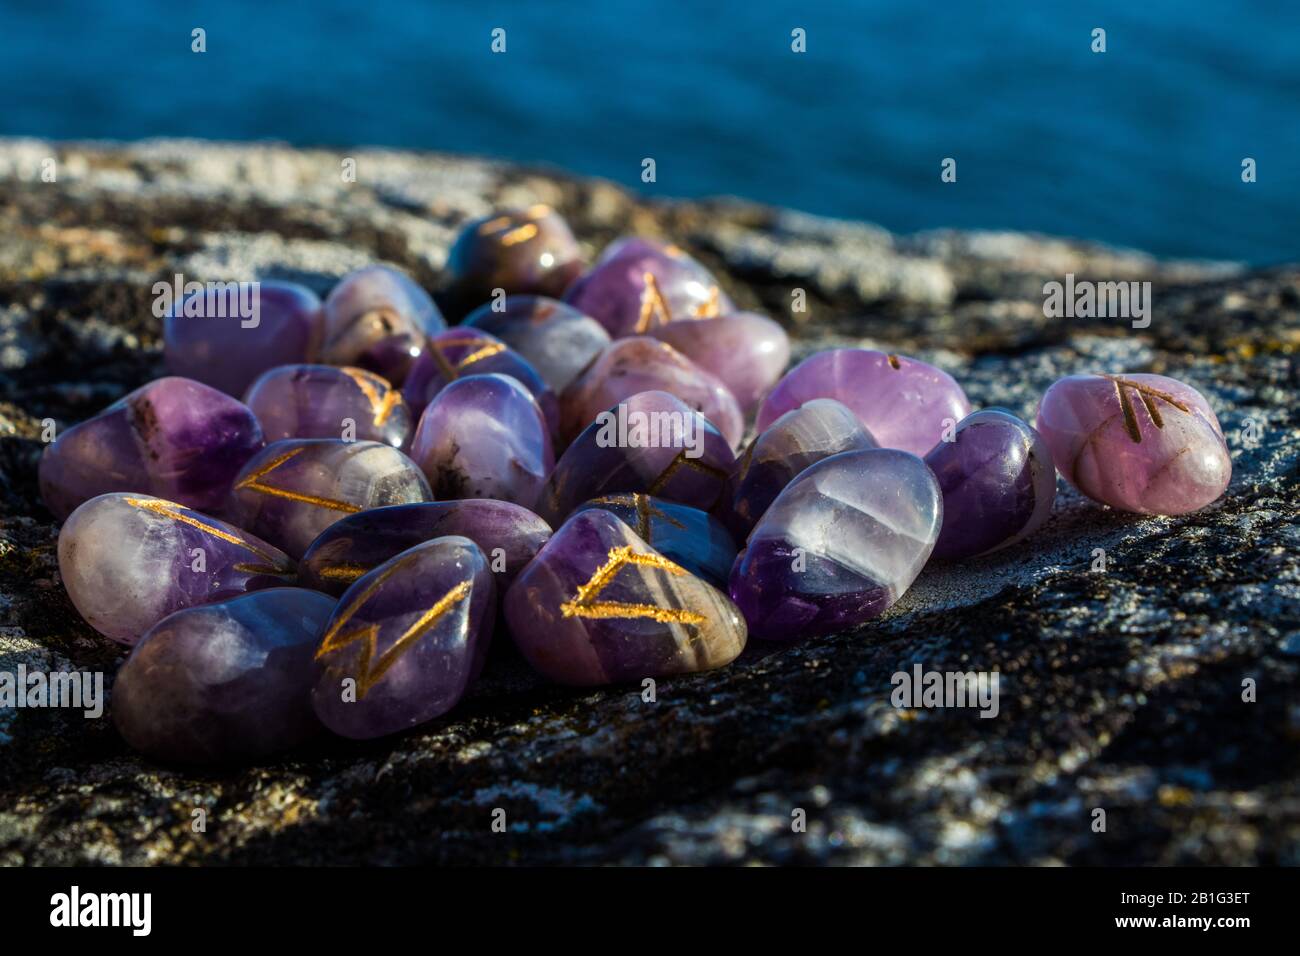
[[1140, 146]]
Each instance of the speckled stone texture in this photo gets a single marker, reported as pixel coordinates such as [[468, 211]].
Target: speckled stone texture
[[1120, 689]]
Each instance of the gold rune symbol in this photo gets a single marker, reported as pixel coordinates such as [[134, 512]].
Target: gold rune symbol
[[655, 307], [370, 668], [342, 572], [438, 347], [1149, 398], [370, 385], [645, 510], [515, 231], [170, 510], [584, 603], [254, 483]]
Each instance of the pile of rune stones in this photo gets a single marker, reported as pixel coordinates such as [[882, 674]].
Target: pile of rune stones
[[285, 544]]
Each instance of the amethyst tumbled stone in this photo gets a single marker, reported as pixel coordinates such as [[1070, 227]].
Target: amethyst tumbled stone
[[226, 681], [508, 535], [174, 438], [687, 536], [903, 403], [406, 640], [517, 250], [745, 351], [297, 488], [799, 438], [378, 318], [998, 484], [322, 401], [555, 338], [600, 606], [839, 545], [227, 336], [638, 283], [484, 437], [128, 560], [652, 442], [643, 364]]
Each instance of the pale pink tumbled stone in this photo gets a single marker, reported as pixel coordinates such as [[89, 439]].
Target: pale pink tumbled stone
[[1143, 443]]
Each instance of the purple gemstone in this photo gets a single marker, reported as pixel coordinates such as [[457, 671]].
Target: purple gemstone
[[129, 560], [600, 606], [484, 437], [509, 536], [218, 338], [295, 489], [378, 318], [226, 681], [744, 351], [321, 401], [998, 484], [463, 351], [525, 251], [406, 640], [839, 545], [638, 284], [643, 364], [903, 403], [652, 443], [799, 438], [174, 438], [556, 339], [1143, 443]]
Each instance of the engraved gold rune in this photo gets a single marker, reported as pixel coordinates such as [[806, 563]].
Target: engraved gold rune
[[521, 234], [169, 510], [254, 483], [645, 510], [370, 669], [1149, 396], [370, 384], [342, 572], [584, 603], [655, 310], [438, 351], [680, 461]]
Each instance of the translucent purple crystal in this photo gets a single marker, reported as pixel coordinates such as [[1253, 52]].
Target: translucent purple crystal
[[322, 401], [406, 640], [484, 437], [644, 364], [902, 402], [508, 535], [554, 338], [128, 560], [839, 545], [600, 606], [295, 489], [378, 318], [637, 284], [998, 484], [687, 536], [799, 438], [652, 442], [745, 351], [462, 351], [174, 438], [528, 251], [223, 682], [211, 338]]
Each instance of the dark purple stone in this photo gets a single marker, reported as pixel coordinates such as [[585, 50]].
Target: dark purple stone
[[528, 251], [226, 681], [406, 640], [508, 535], [998, 484], [321, 401], [173, 438], [653, 443], [377, 318], [600, 606], [555, 338]]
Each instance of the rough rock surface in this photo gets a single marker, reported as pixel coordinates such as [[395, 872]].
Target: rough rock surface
[[1121, 689]]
